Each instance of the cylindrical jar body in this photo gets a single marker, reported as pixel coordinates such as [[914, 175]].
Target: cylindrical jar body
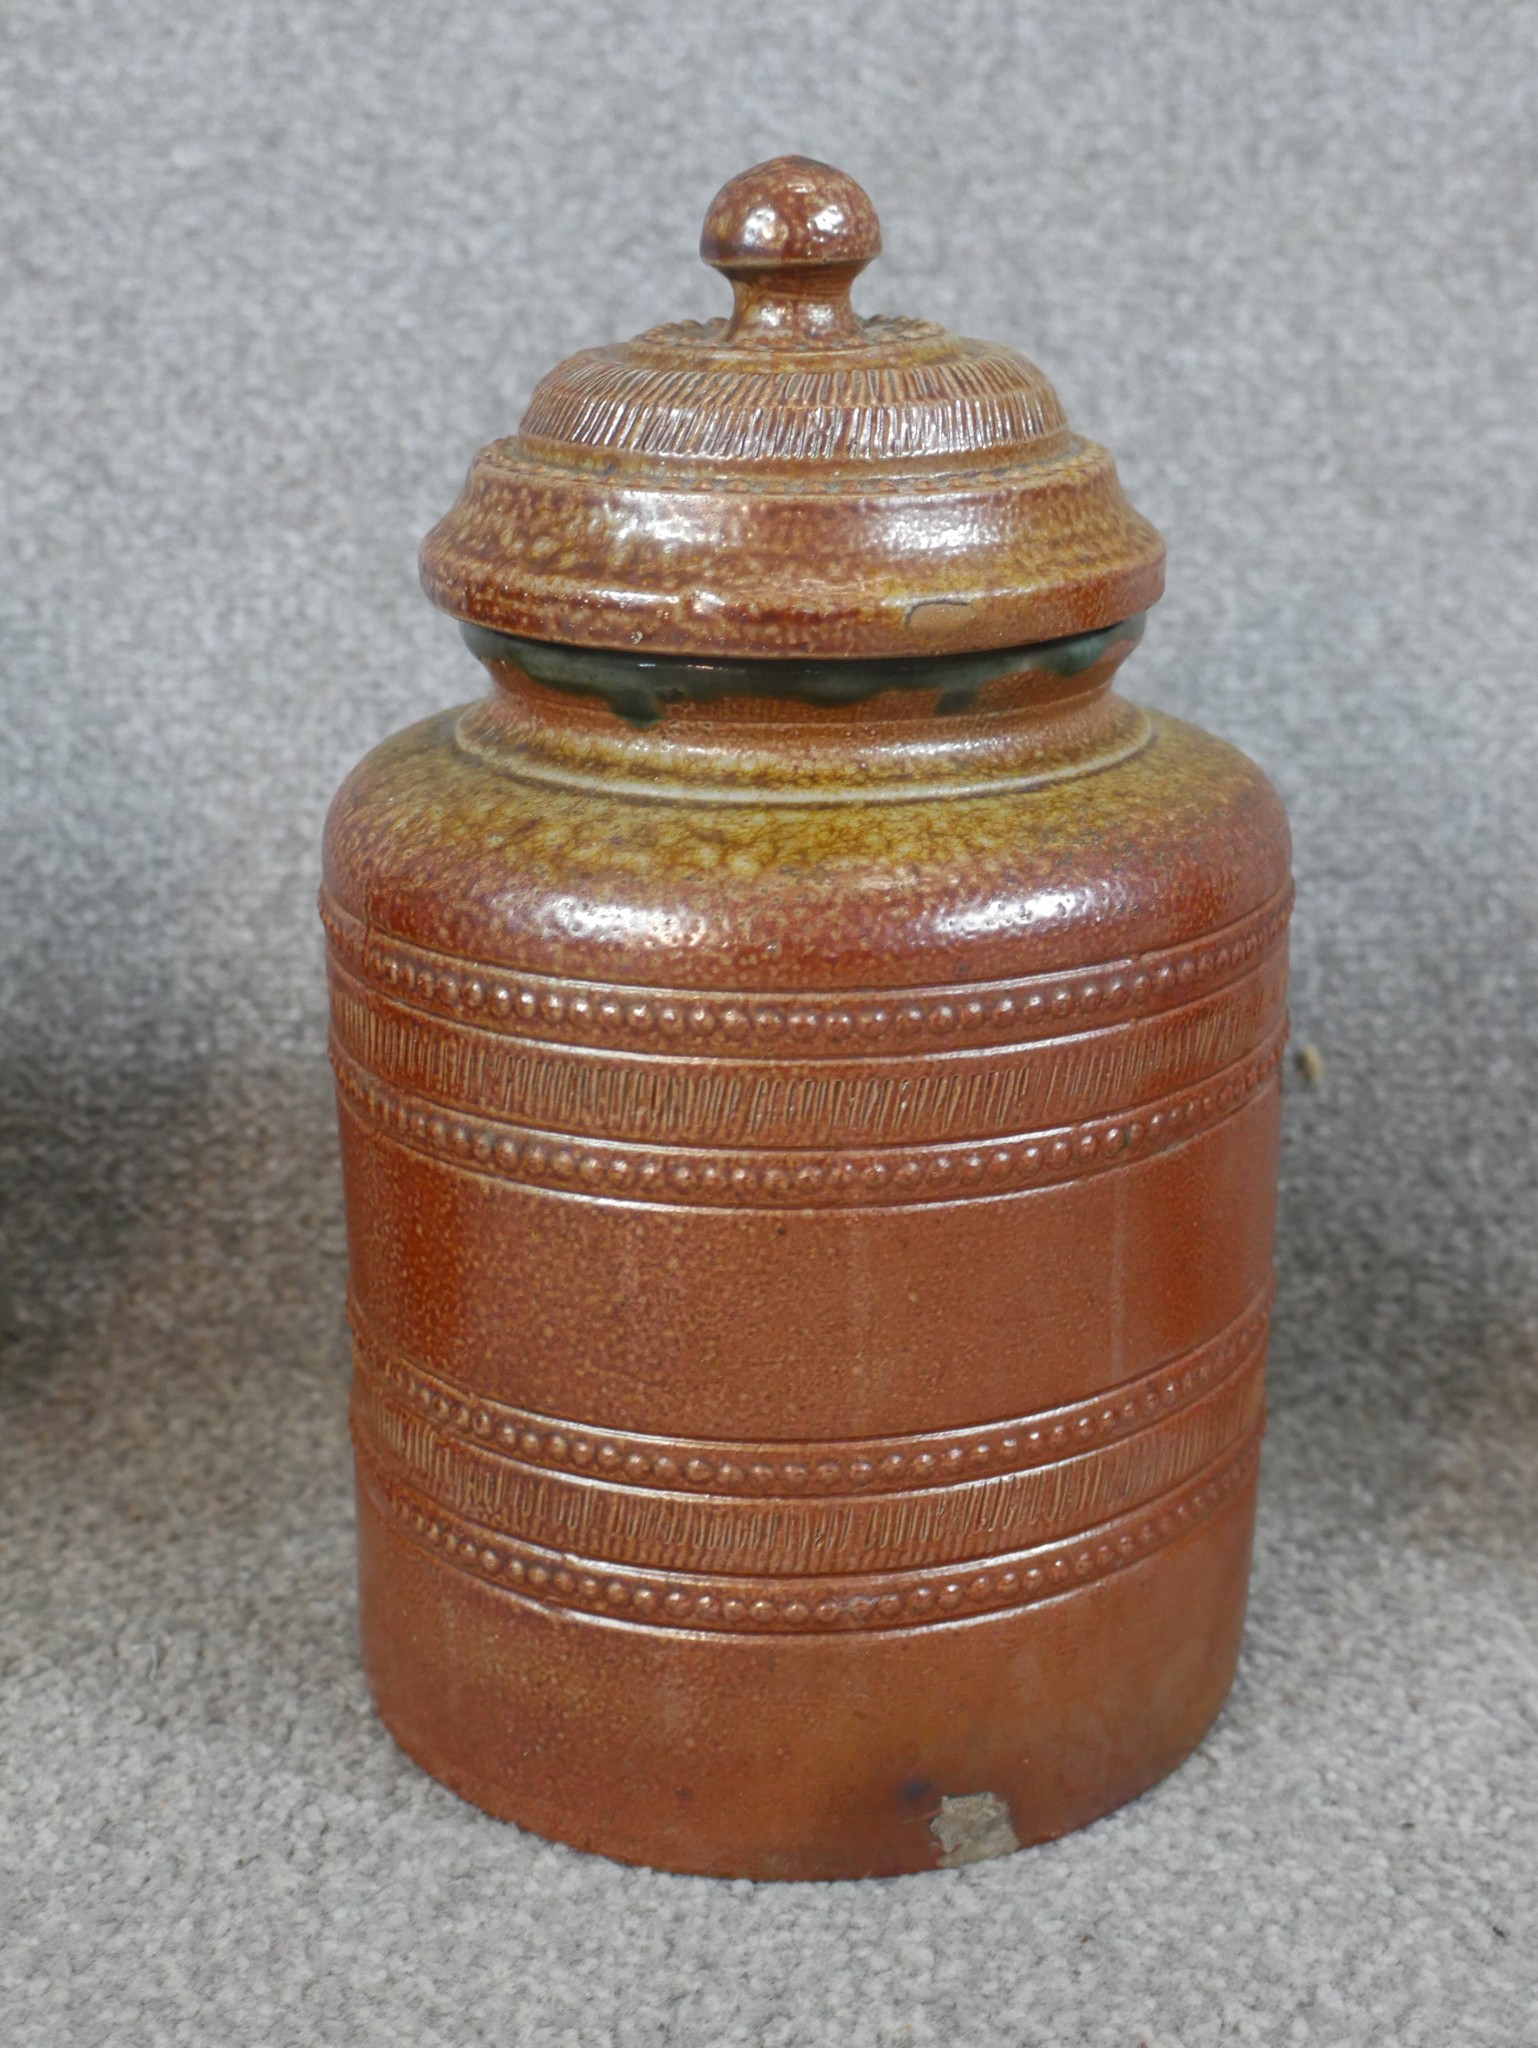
[[810, 1176]]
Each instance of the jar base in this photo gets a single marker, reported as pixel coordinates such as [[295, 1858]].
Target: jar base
[[798, 1758]]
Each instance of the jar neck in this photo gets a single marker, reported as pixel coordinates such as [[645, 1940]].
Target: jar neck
[[798, 732]]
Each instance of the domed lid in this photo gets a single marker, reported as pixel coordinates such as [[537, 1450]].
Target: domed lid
[[794, 481]]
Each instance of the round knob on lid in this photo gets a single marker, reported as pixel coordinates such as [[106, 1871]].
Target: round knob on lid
[[792, 235]]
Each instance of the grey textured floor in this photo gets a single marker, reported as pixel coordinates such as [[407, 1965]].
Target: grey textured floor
[[270, 274]]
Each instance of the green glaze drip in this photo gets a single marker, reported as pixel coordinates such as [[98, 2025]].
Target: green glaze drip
[[639, 687]]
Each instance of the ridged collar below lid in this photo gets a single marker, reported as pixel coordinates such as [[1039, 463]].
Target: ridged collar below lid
[[794, 481]]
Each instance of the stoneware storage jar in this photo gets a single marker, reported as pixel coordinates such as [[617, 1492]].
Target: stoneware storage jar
[[808, 1064]]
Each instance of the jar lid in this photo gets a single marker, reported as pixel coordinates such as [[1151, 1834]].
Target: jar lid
[[794, 481]]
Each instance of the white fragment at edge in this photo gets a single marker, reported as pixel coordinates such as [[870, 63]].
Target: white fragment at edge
[[971, 1828]]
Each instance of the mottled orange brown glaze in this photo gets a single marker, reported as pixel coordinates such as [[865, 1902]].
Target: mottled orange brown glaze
[[809, 1143], [794, 481]]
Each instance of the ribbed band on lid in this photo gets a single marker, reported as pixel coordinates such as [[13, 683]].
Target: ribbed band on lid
[[794, 480]]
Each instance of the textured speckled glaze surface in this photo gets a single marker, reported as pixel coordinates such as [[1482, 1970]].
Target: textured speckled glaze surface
[[810, 1172], [794, 481]]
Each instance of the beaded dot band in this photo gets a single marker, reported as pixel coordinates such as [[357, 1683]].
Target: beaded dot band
[[719, 1177], [973, 1516], [897, 1020], [913, 1099], [723, 1604], [811, 1470]]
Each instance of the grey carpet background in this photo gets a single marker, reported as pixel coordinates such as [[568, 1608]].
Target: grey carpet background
[[270, 273]]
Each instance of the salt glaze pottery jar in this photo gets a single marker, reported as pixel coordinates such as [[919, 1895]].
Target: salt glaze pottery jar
[[808, 1063]]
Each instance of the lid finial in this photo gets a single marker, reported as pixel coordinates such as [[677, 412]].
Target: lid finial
[[792, 234]]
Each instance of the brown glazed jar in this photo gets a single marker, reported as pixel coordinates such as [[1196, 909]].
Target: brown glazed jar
[[808, 1064]]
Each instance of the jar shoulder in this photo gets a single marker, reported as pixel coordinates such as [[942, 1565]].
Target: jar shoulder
[[429, 843]]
